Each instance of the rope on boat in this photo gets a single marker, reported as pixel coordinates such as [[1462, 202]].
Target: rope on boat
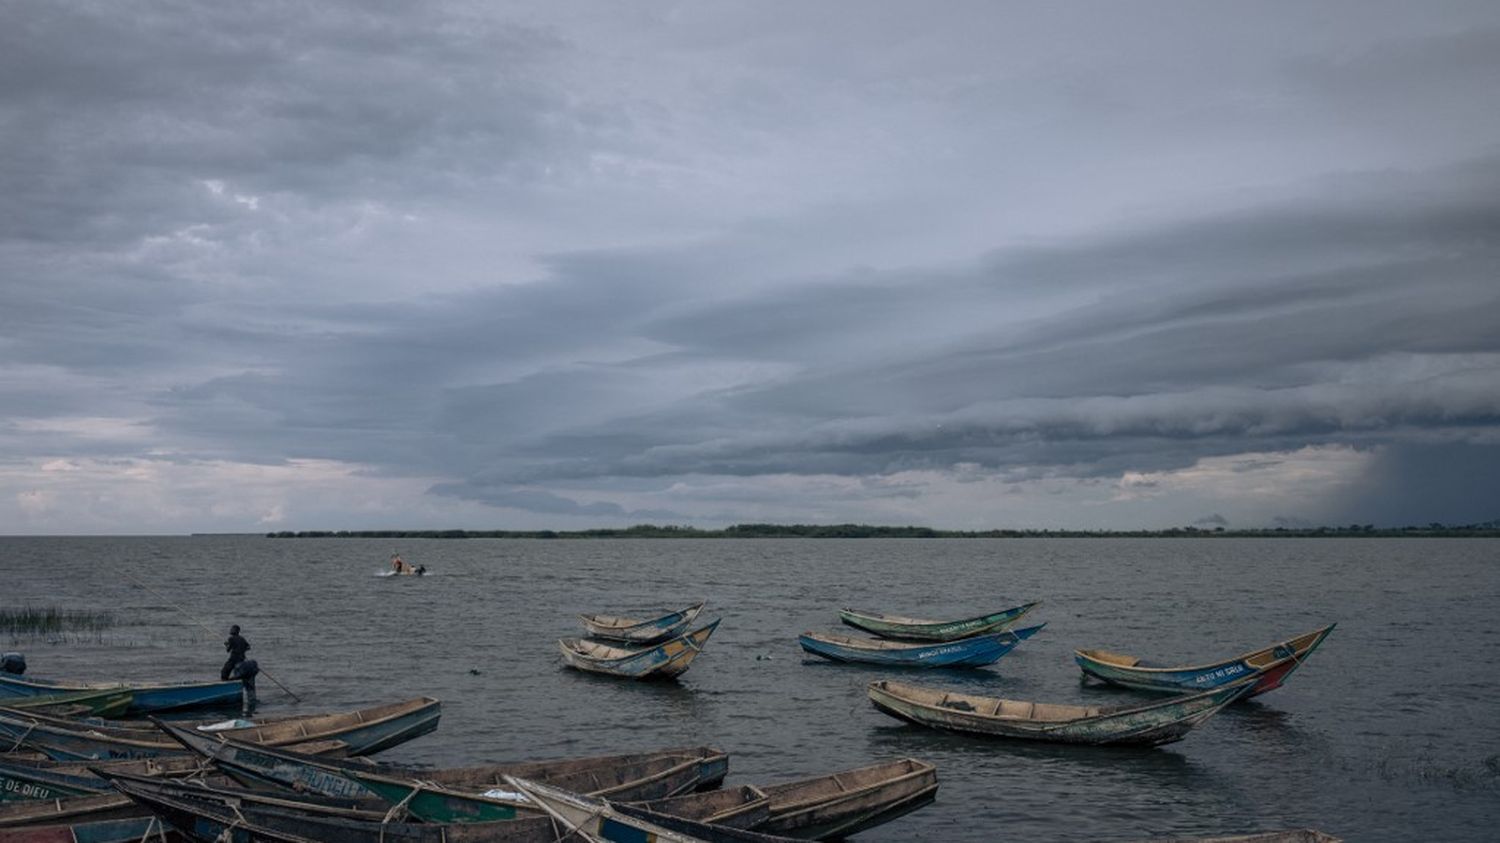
[[157, 826], [397, 810], [24, 735]]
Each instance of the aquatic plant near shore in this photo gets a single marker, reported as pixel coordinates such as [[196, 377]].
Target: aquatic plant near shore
[[32, 620]]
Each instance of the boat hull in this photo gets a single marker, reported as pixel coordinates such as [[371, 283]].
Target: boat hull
[[917, 629], [1147, 725], [640, 632], [662, 661], [975, 651], [148, 697], [1269, 666]]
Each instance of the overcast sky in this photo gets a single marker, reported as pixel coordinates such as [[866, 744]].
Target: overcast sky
[[273, 266]]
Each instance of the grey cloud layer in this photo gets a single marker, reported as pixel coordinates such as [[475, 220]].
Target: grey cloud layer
[[558, 259]]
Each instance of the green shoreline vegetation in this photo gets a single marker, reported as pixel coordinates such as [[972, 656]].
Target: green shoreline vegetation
[[30, 620], [1489, 529]]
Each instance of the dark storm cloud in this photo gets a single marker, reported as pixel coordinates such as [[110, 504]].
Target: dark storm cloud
[[563, 263]]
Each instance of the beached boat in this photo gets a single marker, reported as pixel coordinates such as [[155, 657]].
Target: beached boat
[[974, 651], [665, 660], [161, 696], [1298, 835], [819, 808], [1270, 666], [640, 631], [919, 629], [598, 820], [450, 793], [845, 803], [746, 806], [245, 816], [364, 731], [148, 828], [106, 703], [1159, 722], [56, 780]]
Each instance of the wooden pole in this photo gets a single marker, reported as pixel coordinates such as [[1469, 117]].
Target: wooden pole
[[211, 630]]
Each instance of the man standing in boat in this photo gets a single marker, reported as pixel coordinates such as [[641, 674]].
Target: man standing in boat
[[236, 645]]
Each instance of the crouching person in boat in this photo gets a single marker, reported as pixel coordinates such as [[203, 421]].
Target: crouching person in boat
[[246, 671], [13, 663]]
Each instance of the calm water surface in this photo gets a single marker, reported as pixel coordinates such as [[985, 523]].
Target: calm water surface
[[1389, 733]]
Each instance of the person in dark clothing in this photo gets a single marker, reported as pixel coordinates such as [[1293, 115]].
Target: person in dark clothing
[[236, 645]]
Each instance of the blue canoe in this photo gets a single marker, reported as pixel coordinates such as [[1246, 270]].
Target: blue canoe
[[976, 651], [157, 696], [361, 732], [1270, 666]]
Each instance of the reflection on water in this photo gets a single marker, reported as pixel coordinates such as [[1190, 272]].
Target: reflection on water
[[1342, 747]]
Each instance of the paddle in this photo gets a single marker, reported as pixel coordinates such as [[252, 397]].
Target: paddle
[[213, 631]]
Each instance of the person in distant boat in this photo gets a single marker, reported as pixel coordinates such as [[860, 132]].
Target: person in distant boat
[[236, 645], [397, 564]]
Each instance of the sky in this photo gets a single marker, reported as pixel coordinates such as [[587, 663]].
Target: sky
[[1091, 265]]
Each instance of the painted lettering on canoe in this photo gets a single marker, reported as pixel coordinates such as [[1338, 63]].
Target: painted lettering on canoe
[[940, 651], [16, 789], [1219, 675]]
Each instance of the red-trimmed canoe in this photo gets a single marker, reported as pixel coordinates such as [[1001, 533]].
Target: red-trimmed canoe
[[1271, 666]]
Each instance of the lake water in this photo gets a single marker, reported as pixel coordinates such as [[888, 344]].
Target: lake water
[[1389, 732]]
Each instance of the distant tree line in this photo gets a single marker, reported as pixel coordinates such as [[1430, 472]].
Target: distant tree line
[[1490, 529]]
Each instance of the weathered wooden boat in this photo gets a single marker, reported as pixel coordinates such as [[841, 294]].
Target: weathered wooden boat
[[147, 828], [639, 631], [919, 629], [160, 696], [845, 803], [480, 799], [1270, 666], [55, 780], [1163, 721], [106, 804], [248, 816], [598, 820], [1299, 835], [746, 806], [106, 703], [661, 661], [624, 777], [363, 731], [974, 651], [826, 807]]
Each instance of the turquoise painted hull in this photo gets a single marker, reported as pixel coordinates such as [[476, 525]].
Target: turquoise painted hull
[[1269, 668]]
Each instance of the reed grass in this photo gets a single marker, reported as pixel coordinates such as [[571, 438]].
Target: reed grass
[[45, 620]]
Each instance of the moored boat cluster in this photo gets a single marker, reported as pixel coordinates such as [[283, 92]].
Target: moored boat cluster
[[74, 771]]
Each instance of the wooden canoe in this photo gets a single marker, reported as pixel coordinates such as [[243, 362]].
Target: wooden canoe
[[1270, 666], [746, 806], [599, 820], [451, 795], [159, 696], [640, 631], [1298, 835], [661, 661], [1159, 722], [919, 629], [845, 803], [974, 651], [365, 731], [106, 703], [127, 830], [55, 780], [218, 813]]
